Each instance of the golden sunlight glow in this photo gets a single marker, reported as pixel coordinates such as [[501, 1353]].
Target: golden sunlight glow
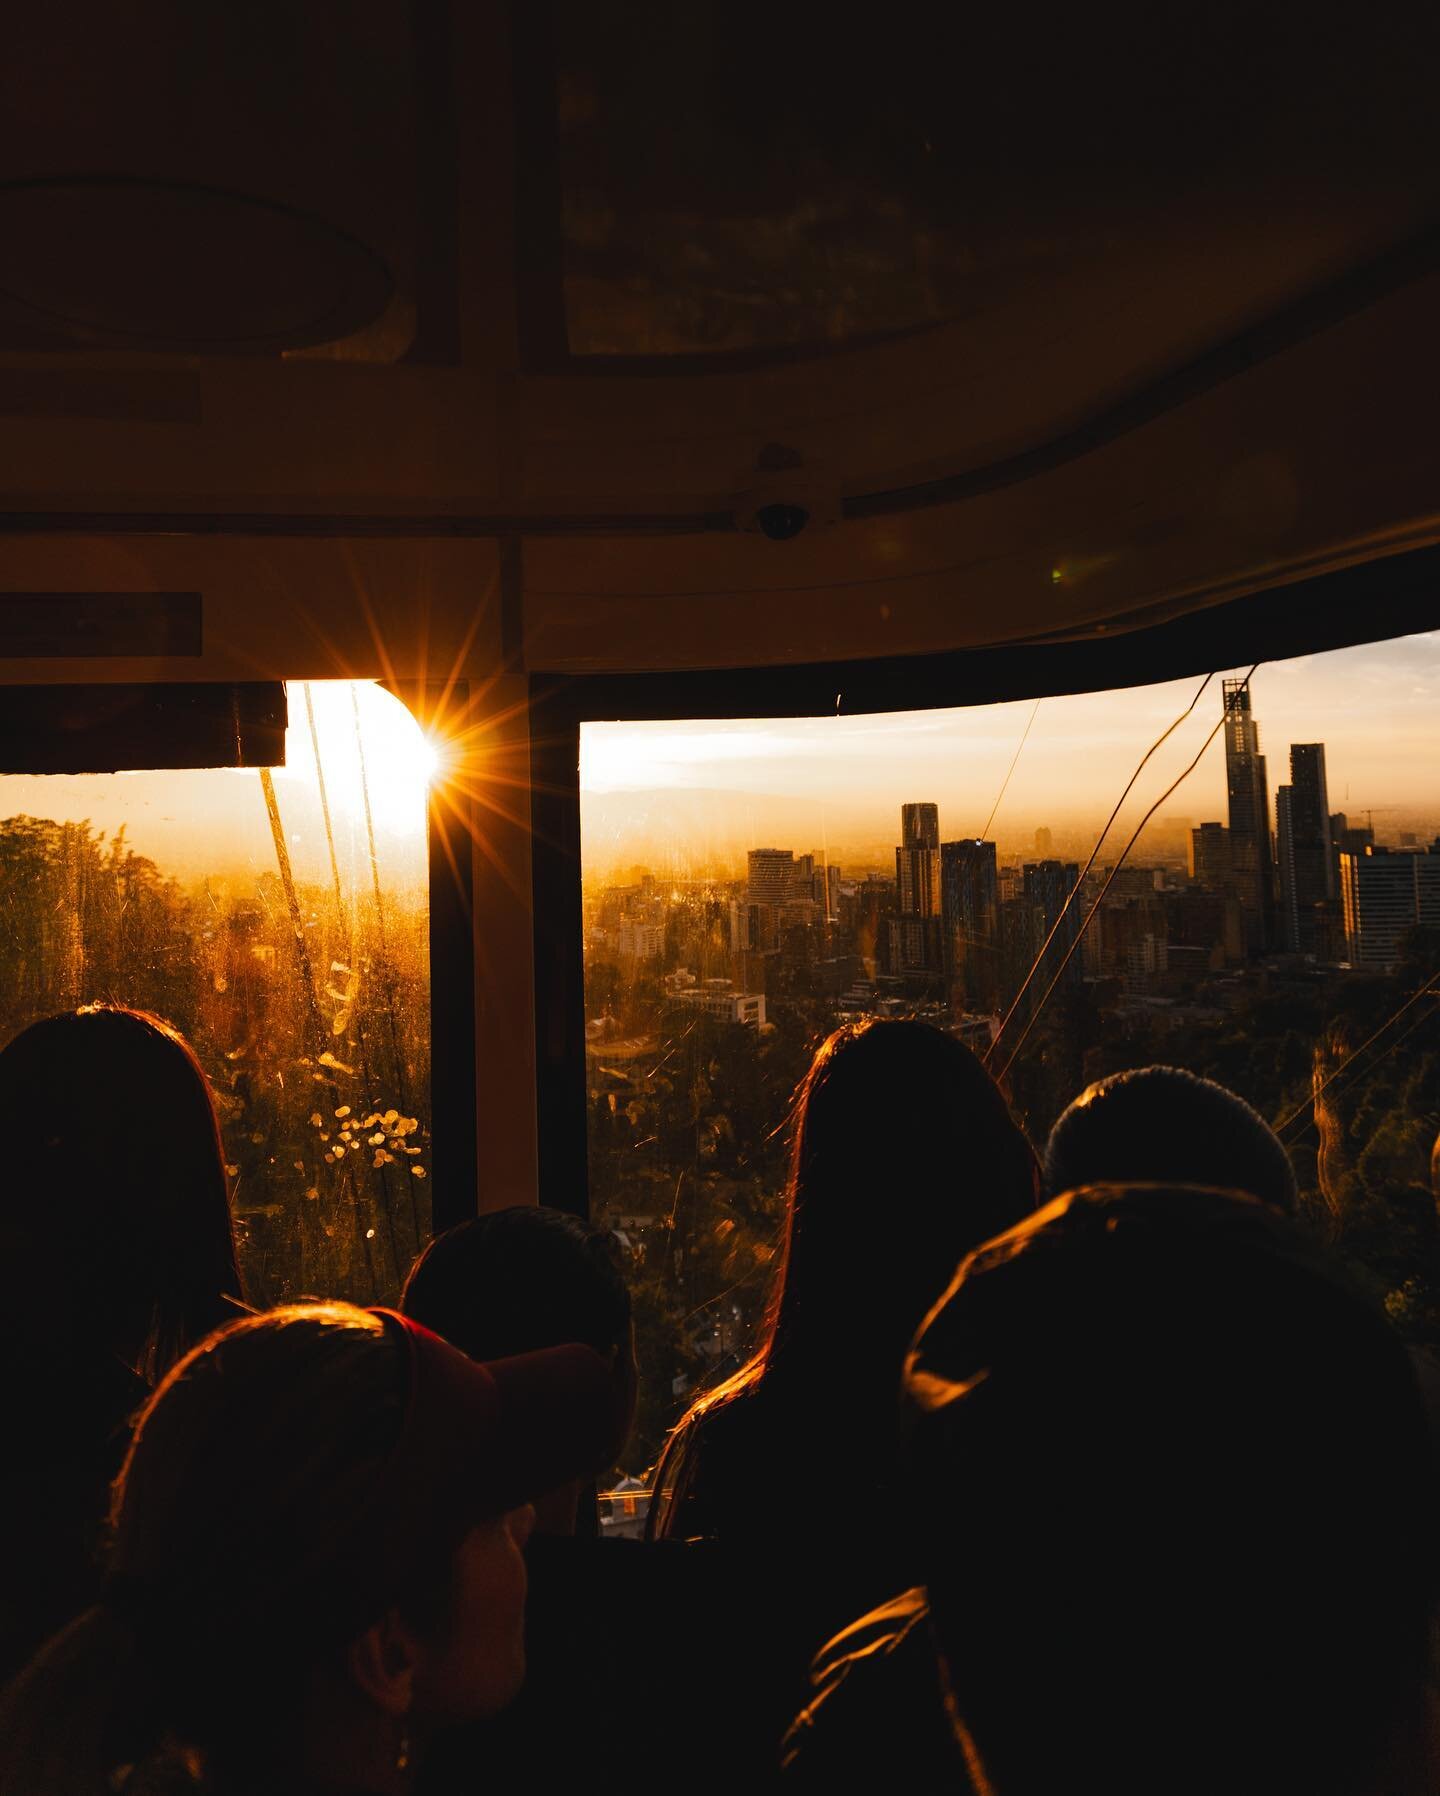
[[368, 744]]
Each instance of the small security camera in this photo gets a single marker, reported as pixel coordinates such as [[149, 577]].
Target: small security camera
[[786, 505], [780, 521]]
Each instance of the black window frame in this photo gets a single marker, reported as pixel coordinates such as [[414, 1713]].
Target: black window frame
[[1372, 601]]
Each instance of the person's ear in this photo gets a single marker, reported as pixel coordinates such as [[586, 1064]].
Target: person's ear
[[383, 1661]]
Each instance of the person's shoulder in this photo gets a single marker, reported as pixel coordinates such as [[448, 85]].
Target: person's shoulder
[[876, 1705], [880, 1633], [707, 1462]]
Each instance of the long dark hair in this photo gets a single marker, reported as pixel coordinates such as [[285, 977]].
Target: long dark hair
[[904, 1157], [115, 1179], [242, 1463]]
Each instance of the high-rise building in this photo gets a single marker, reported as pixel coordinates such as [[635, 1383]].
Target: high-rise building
[[1308, 884], [970, 920], [640, 941], [1252, 866], [1386, 893], [915, 929], [818, 881], [1051, 883], [1210, 857], [1129, 938], [771, 884], [1348, 840], [1047, 885], [920, 826], [917, 862], [1044, 842], [1210, 920], [1289, 919], [771, 875]]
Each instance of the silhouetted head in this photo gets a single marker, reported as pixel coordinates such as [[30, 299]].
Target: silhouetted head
[[518, 1279], [115, 1180], [316, 1548], [905, 1156], [1175, 1497], [1163, 1124]]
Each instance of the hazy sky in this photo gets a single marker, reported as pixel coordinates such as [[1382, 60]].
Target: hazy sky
[[670, 793], [840, 780], [197, 822]]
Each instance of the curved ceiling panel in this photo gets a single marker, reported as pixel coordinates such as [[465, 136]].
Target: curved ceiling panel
[[171, 265], [733, 183], [1031, 321], [221, 179]]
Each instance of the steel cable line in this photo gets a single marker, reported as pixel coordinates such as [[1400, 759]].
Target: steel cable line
[[1419, 1022], [1159, 742], [1430, 988], [1004, 784], [383, 957], [1110, 880], [340, 918], [316, 1028], [324, 801]]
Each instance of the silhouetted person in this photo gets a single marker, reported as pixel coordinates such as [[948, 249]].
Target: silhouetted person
[[1176, 1503], [605, 1620], [317, 1562], [1163, 1124], [525, 1277], [116, 1241], [904, 1157]]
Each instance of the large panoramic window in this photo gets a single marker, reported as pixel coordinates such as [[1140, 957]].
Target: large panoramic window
[[751, 885], [279, 918]]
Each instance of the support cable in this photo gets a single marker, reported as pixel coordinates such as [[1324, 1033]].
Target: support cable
[[324, 801], [1074, 892], [292, 900], [1004, 784], [1110, 880], [365, 1072], [386, 972], [1430, 987]]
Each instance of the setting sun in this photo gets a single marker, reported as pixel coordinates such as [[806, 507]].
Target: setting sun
[[367, 742]]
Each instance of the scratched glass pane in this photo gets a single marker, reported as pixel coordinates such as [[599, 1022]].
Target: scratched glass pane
[[279, 919]]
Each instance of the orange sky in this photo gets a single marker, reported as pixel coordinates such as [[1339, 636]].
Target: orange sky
[[657, 792], [672, 793]]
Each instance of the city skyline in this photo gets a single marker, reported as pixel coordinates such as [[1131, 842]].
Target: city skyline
[[707, 792]]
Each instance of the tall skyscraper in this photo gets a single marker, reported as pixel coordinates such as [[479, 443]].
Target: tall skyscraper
[[915, 928], [920, 825], [1306, 852], [917, 862], [1252, 864], [1386, 894], [970, 920]]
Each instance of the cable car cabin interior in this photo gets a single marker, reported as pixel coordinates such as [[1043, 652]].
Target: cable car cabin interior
[[637, 642]]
